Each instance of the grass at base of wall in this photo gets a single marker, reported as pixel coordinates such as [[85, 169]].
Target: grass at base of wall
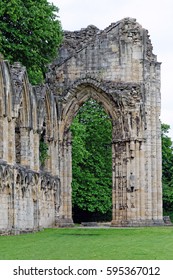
[[150, 243]]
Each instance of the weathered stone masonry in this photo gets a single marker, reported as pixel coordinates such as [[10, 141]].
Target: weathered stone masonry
[[117, 68], [29, 197]]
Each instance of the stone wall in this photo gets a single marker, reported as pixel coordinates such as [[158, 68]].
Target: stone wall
[[29, 194], [117, 68]]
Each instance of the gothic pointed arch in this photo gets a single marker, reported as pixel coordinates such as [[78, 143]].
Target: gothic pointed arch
[[23, 114]]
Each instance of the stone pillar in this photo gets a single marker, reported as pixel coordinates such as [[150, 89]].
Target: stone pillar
[[11, 142], [61, 165], [159, 146], [65, 181], [159, 173], [16, 201], [52, 157], [24, 132], [142, 190], [35, 162], [5, 139], [31, 148], [48, 166], [148, 166], [119, 190], [114, 183], [152, 134], [153, 159], [132, 180], [156, 143], [65, 174], [1, 137], [51, 161], [69, 177]]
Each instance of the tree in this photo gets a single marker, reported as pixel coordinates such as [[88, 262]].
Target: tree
[[30, 32], [92, 162], [167, 170]]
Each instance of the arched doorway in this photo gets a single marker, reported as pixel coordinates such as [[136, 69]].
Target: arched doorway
[[91, 164], [75, 100], [129, 196]]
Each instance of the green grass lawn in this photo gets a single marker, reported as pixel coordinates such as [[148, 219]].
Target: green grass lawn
[[152, 243]]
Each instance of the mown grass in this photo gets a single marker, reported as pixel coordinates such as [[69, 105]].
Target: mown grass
[[90, 244]]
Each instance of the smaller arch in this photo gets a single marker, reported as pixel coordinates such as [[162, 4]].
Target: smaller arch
[[79, 94], [18, 179], [22, 94], [48, 129], [26, 179], [43, 184], [7, 90]]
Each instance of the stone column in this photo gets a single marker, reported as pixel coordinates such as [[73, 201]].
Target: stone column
[[52, 160], [31, 148], [142, 190], [65, 174], [5, 139], [11, 141], [114, 184], [69, 177], [16, 200], [159, 173], [61, 164], [24, 132], [1, 137], [155, 72], [36, 162], [137, 190], [52, 157], [119, 189], [65, 181], [132, 205], [148, 168], [159, 146], [153, 159]]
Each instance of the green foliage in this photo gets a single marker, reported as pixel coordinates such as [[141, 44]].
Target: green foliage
[[92, 163], [43, 149], [167, 154], [30, 32], [167, 170], [92, 159]]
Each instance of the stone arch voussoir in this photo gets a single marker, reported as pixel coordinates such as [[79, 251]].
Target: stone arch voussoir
[[80, 92]]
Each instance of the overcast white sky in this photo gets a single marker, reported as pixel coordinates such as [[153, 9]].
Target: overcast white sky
[[154, 15]]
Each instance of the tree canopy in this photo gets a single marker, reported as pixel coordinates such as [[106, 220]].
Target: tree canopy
[[30, 32]]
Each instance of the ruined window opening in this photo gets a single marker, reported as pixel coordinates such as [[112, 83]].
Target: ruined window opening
[[18, 140], [43, 148]]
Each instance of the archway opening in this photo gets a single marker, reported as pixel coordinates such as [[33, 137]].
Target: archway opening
[[18, 125], [91, 164]]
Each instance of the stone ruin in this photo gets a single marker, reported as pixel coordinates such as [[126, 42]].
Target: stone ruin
[[116, 67]]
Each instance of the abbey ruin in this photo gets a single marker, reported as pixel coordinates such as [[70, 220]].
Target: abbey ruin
[[117, 68]]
